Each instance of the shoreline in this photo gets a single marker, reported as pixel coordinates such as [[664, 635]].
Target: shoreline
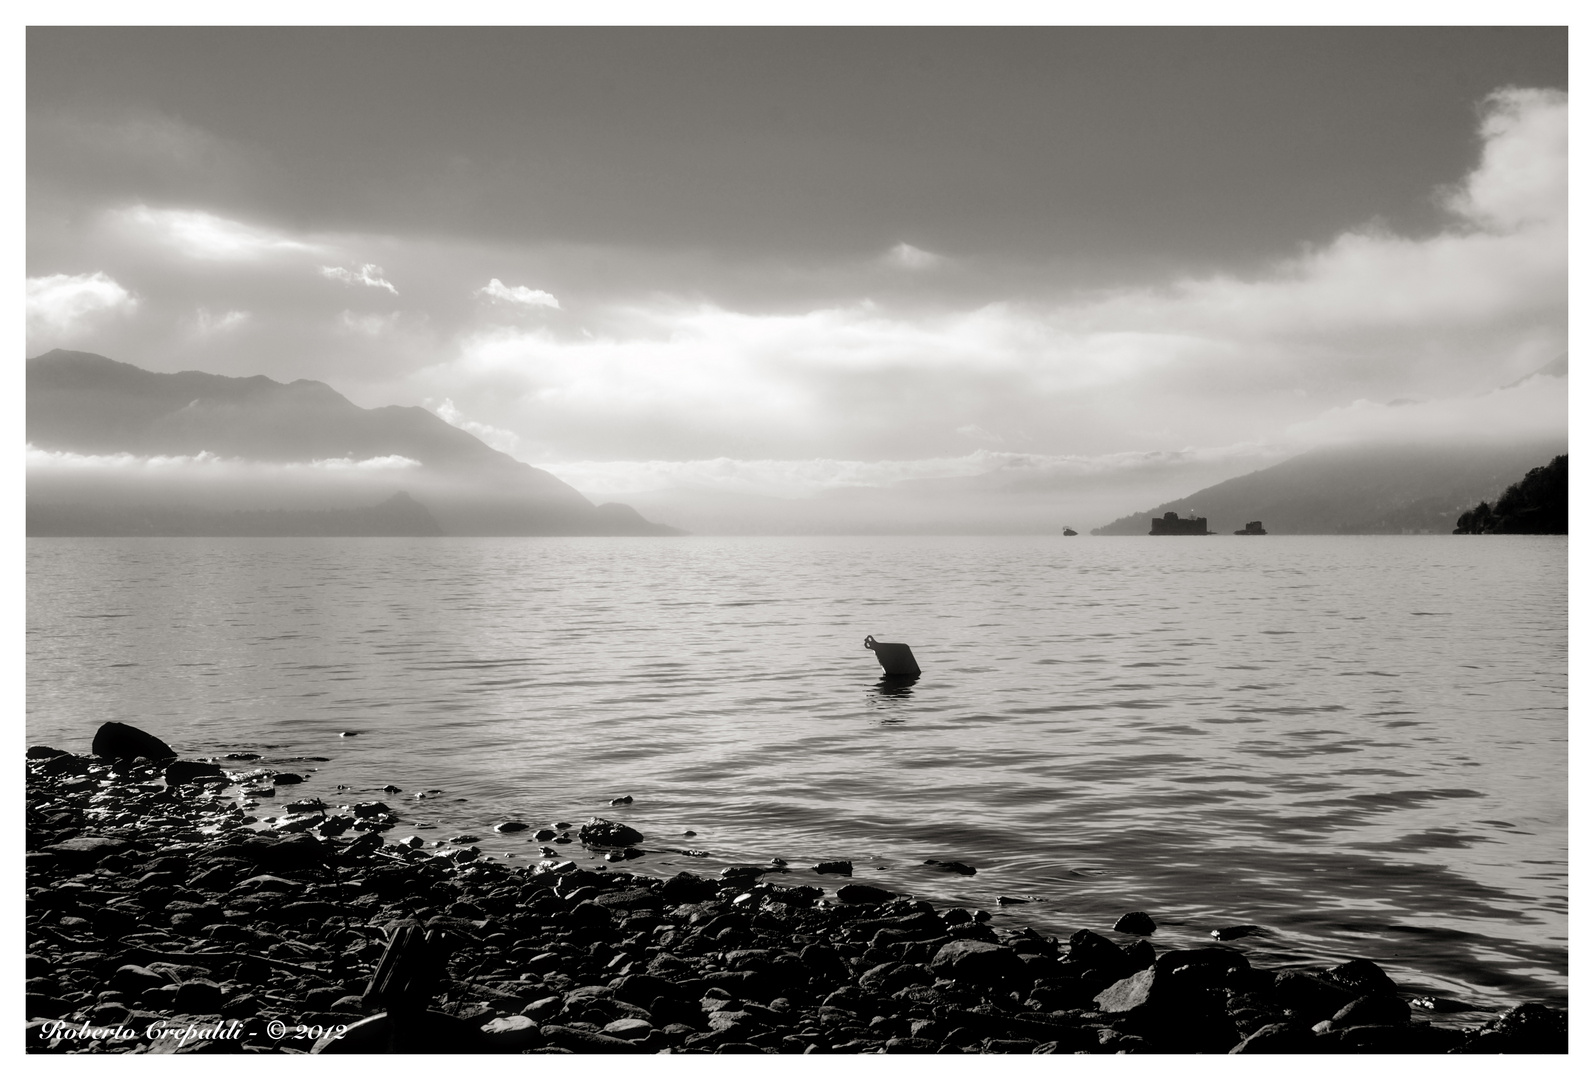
[[159, 920]]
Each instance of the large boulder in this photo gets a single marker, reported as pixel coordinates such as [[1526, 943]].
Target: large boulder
[[1090, 950], [1139, 993], [978, 962], [115, 740], [600, 832], [1362, 978], [1136, 922]]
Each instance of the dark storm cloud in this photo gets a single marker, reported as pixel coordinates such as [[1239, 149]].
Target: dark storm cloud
[[1194, 145]]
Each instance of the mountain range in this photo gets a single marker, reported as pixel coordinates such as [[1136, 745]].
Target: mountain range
[[118, 450]]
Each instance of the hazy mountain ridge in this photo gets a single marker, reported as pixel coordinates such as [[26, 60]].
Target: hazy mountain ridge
[[270, 437], [1372, 490], [399, 516]]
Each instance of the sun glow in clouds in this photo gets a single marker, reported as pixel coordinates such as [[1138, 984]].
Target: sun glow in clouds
[[200, 235], [1198, 361]]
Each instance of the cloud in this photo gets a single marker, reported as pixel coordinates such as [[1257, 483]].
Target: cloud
[[1369, 315], [908, 257], [496, 290], [368, 274], [205, 236], [497, 438], [205, 324], [1522, 179], [63, 303]]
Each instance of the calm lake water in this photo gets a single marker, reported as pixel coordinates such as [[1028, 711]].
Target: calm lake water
[[1357, 743]]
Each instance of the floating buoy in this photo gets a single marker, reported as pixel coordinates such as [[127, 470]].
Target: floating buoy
[[894, 656]]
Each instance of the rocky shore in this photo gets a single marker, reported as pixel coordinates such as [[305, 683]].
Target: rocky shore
[[163, 918]]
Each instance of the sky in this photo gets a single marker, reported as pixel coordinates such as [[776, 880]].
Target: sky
[[685, 266]]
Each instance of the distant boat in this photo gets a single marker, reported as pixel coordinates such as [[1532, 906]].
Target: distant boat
[[1171, 524], [1252, 528], [1069, 532]]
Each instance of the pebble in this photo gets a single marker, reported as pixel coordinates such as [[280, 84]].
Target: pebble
[[561, 957]]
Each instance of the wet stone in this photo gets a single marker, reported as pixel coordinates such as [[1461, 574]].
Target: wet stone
[[600, 832], [1135, 922], [568, 958], [511, 1034]]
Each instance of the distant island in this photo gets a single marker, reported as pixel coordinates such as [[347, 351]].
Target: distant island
[[1375, 489], [1537, 504], [115, 450]]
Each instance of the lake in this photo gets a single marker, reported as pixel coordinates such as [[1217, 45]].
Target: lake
[[1358, 744]]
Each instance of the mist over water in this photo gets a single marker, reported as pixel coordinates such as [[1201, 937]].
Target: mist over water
[[1356, 743]]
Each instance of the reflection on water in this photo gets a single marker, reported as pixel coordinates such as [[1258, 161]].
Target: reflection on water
[[1286, 734], [894, 686]]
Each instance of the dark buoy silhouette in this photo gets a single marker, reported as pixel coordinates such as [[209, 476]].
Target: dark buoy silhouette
[[894, 656]]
